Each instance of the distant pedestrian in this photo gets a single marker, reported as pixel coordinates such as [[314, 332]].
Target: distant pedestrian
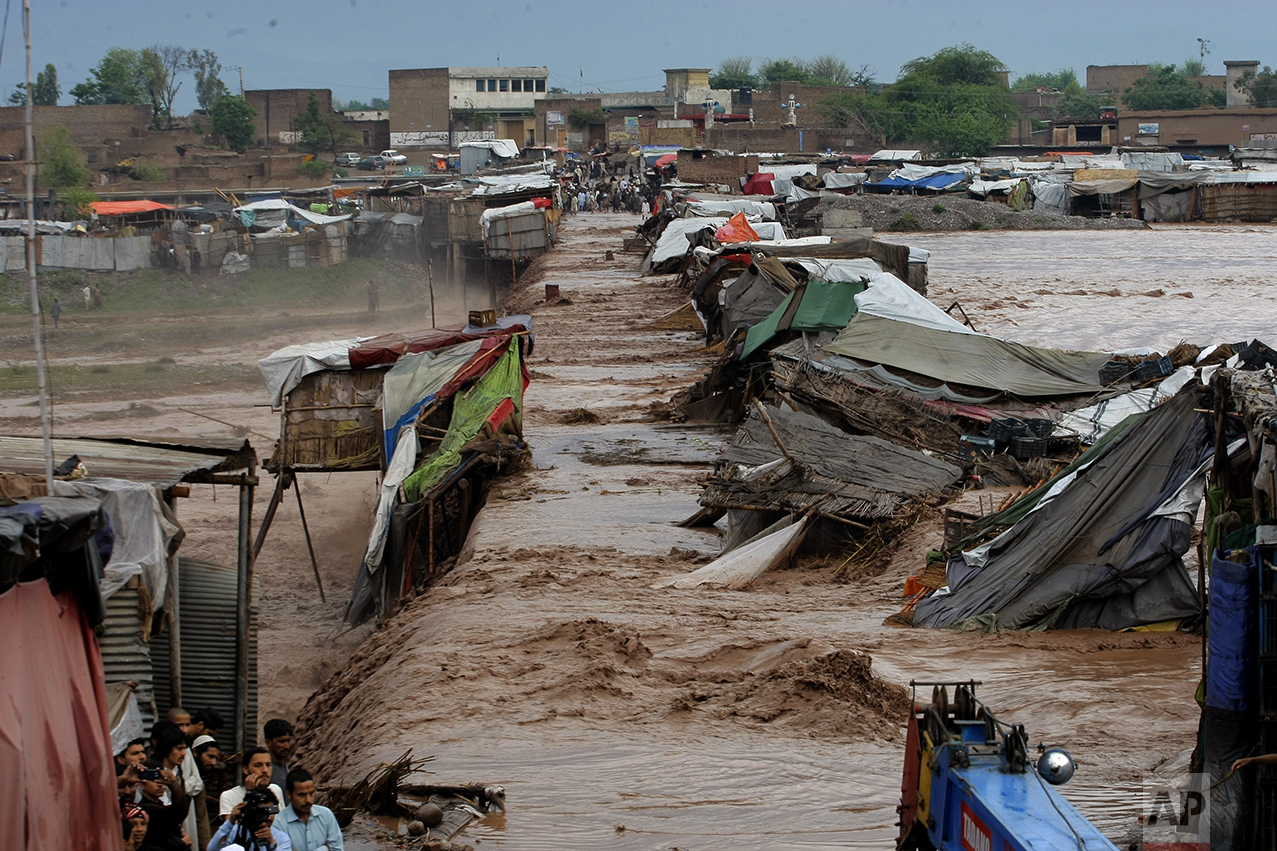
[[374, 296], [88, 296], [97, 297], [56, 312]]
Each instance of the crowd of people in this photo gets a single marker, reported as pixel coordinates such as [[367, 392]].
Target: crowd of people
[[180, 792], [601, 185]]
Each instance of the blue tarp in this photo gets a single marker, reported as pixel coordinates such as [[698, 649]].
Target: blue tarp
[[935, 182], [1230, 671]]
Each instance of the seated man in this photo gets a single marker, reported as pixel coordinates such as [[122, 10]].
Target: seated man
[[310, 826], [279, 739], [165, 803], [250, 825], [134, 754], [255, 769]]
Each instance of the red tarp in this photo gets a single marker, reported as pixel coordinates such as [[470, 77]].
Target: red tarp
[[737, 229], [59, 784], [666, 159], [388, 348], [760, 184], [123, 208]]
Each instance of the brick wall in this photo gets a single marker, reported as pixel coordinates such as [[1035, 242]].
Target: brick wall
[[419, 100], [89, 125], [278, 108], [810, 140], [711, 169]]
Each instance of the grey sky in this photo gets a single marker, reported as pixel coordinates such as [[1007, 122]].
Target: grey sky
[[349, 45]]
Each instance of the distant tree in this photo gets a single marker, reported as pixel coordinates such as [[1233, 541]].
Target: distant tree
[[1077, 103], [558, 90], [379, 104], [1193, 67], [955, 100], [1054, 80], [322, 131], [1164, 88], [351, 106], [160, 67], [1260, 89], [208, 82], [115, 79], [76, 203], [851, 109], [232, 119], [734, 73], [783, 70], [829, 70], [62, 166]]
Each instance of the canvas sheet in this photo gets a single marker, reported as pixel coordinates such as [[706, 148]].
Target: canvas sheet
[[414, 380], [763, 210], [284, 369]]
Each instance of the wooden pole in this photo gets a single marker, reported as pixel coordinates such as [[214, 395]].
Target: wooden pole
[[275, 499], [46, 425], [430, 278], [297, 490], [172, 604], [771, 427], [243, 593]]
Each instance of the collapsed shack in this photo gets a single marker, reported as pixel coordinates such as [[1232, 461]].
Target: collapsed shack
[[437, 413], [784, 461]]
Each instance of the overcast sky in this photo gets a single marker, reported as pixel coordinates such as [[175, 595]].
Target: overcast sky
[[349, 45]]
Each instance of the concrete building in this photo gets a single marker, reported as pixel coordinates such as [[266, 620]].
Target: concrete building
[[442, 107], [1113, 79], [1197, 128], [1233, 72], [278, 109]]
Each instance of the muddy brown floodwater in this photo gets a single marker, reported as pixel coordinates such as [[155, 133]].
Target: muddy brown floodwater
[[626, 717]]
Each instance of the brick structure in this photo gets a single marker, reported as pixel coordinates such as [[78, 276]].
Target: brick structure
[[427, 104], [1113, 78], [704, 167], [90, 126], [1195, 127], [277, 111]]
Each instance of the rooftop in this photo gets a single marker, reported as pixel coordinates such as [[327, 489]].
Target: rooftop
[[156, 461]]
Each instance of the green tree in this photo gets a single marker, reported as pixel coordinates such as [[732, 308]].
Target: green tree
[[955, 100], [734, 73], [829, 70], [45, 89], [1260, 89], [379, 103], [1163, 88], [858, 111], [1054, 80], [208, 81], [350, 106], [1193, 67], [322, 131], [62, 166], [76, 203], [1077, 103], [232, 119], [784, 71], [115, 79], [160, 66]]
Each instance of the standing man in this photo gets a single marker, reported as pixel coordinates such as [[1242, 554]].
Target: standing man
[[166, 805], [279, 741], [88, 296], [56, 312], [374, 295], [311, 827], [256, 773]]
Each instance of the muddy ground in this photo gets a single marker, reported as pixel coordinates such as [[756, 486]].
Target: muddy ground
[[910, 213], [626, 717]]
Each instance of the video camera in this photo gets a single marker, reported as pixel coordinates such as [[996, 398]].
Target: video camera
[[259, 806]]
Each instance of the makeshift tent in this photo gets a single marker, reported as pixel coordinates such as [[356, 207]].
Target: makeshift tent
[[764, 210], [737, 229], [283, 370], [666, 160], [1101, 545], [274, 212], [58, 790], [897, 327], [932, 183], [124, 208], [815, 306]]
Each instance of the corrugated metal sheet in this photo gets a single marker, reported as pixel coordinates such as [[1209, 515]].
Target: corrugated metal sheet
[[207, 608], [520, 236], [125, 656], [154, 462]]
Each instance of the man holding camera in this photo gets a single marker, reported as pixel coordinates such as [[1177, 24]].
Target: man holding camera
[[165, 803], [250, 825], [256, 772]]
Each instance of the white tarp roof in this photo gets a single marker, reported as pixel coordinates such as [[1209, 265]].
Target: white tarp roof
[[889, 155], [984, 187], [493, 213], [284, 369], [834, 180], [274, 204], [786, 172], [913, 171], [506, 148], [673, 242], [765, 210], [498, 184], [841, 271]]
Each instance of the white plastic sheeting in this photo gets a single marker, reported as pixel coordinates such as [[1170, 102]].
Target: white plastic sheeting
[[283, 370], [1048, 195], [502, 183], [890, 155], [838, 271], [834, 180], [400, 467], [506, 148], [291, 211], [142, 532], [522, 208], [913, 171], [1094, 421], [419, 376], [674, 243], [888, 297], [764, 210], [741, 566], [984, 187]]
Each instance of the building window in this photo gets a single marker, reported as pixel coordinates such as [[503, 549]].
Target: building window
[[540, 85], [527, 86], [516, 85], [478, 85], [505, 85], [492, 85]]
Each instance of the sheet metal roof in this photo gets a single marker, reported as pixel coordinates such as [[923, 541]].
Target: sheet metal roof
[[154, 461]]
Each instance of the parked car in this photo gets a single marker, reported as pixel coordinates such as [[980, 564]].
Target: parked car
[[372, 164], [394, 157], [347, 160]]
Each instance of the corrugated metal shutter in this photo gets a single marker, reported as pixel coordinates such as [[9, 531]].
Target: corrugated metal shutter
[[125, 657], [207, 610]]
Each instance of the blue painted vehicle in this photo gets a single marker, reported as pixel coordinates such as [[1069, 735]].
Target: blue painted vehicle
[[970, 784]]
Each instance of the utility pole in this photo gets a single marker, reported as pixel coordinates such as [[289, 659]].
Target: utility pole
[[240, 69], [45, 426]]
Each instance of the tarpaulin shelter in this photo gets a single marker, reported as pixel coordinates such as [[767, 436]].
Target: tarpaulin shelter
[[58, 788], [932, 183], [815, 306], [1099, 546], [124, 208]]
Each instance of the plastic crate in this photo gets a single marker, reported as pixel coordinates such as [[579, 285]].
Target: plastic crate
[[1024, 448], [974, 447], [1115, 371], [1151, 369], [1008, 428]]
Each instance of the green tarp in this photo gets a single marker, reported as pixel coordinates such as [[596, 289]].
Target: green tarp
[[814, 306], [470, 410]]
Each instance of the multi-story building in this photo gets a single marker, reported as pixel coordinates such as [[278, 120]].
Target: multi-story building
[[445, 106]]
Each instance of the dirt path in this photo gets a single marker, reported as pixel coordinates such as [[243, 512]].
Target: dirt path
[[621, 716]]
